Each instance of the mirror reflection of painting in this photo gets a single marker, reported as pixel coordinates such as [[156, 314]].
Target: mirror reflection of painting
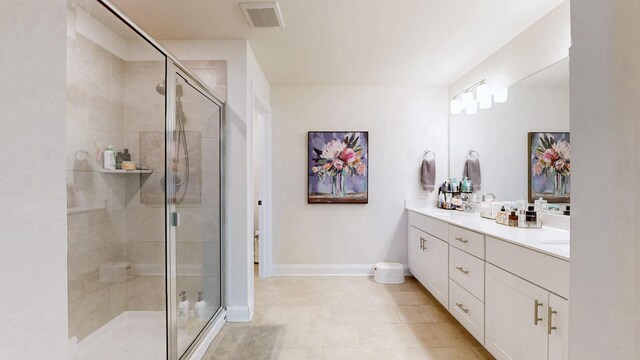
[[338, 167], [549, 166]]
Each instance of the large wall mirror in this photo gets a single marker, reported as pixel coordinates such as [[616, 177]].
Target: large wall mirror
[[500, 138]]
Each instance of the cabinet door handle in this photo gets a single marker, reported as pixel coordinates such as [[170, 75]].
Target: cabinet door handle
[[461, 306], [461, 240], [462, 270], [550, 327], [423, 243], [536, 305]]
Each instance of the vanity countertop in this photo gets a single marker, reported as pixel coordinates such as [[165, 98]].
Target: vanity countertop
[[548, 240]]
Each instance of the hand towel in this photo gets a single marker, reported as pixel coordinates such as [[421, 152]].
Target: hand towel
[[472, 171], [428, 174]]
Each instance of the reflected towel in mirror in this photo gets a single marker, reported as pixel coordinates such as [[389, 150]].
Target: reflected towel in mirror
[[472, 171]]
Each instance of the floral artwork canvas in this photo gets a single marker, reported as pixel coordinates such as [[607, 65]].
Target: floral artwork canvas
[[338, 167], [550, 166]]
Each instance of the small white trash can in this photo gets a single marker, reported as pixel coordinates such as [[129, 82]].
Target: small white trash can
[[388, 273]]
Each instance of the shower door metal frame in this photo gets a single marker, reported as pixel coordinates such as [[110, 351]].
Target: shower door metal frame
[[173, 66], [173, 72]]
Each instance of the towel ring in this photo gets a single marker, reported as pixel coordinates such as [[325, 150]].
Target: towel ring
[[427, 153], [470, 154]]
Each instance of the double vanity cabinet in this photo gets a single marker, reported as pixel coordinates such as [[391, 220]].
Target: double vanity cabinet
[[508, 287]]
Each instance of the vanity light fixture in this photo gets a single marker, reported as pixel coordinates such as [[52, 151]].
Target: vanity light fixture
[[483, 92], [479, 95]]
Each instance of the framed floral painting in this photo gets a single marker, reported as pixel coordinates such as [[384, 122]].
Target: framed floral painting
[[338, 167], [549, 166]]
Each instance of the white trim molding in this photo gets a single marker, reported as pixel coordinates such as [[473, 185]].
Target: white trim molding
[[327, 269], [238, 313]]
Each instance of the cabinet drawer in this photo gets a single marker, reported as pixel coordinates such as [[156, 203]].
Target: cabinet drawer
[[467, 271], [546, 271], [429, 225], [468, 310], [469, 241]]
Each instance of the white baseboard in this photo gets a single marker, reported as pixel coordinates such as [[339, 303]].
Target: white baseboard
[[238, 313], [202, 348], [326, 270]]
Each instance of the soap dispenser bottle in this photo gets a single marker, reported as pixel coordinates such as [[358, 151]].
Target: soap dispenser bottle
[[200, 308], [183, 310]]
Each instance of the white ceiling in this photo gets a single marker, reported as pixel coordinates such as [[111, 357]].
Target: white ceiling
[[353, 42]]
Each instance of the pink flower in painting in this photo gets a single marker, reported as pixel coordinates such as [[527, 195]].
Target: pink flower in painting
[[537, 168], [338, 164], [550, 156], [315, 169], [559, 164], [348, 155], [362, 169]]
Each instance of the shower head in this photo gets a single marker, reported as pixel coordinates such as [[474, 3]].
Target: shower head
[[160, 88]]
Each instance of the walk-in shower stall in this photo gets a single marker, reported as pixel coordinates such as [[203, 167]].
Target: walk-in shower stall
[[145, 249]]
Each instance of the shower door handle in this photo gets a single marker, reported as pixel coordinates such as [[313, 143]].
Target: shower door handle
[[175, 219]]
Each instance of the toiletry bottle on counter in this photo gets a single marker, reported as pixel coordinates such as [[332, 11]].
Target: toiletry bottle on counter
[[532, 218], [513, 219], [502, 217], [126, 156], [109, 158], [183, 310], [200, 307]]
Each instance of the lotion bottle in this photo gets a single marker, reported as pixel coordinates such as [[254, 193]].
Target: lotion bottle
[[109, 158], [200, 307], [183, 310]]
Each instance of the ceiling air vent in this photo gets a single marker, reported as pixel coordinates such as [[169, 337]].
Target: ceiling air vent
[[262, 14]]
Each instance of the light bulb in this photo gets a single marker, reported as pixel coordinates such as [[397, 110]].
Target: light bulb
[[456, 106], [467, 100], [501, 95], [483, 93], [472, 109]]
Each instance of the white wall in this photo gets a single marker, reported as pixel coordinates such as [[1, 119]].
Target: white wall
[[33, 246], [244, 75], [605, 250], [402, 122], [544, 43]]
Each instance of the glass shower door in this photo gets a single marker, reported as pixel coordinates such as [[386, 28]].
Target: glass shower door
[[194, 163]]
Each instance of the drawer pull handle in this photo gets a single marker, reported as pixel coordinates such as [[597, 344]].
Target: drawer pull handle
[[550, 327], [536, 305], [462, 270], [461, 240], [466, 311]]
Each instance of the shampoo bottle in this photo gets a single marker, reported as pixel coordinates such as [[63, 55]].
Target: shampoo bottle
[[200, 308], [109, 158], [183, 310]]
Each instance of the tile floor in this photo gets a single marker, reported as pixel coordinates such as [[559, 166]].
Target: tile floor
[[337, 318]]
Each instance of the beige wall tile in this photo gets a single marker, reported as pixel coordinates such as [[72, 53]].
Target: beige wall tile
[[106, 116], [77, 107]]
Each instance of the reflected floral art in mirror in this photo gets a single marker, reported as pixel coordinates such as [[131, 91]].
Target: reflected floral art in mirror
[[549, 166], [338, 167]]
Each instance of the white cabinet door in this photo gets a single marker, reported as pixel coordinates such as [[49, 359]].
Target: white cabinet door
[[558, 318], [417, 256], [437, 271], [512, 329]]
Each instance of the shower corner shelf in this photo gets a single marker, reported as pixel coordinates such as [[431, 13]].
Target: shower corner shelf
[[105, 171]]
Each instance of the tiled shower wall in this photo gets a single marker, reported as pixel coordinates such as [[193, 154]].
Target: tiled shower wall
[[114, 102], [96, 222]]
